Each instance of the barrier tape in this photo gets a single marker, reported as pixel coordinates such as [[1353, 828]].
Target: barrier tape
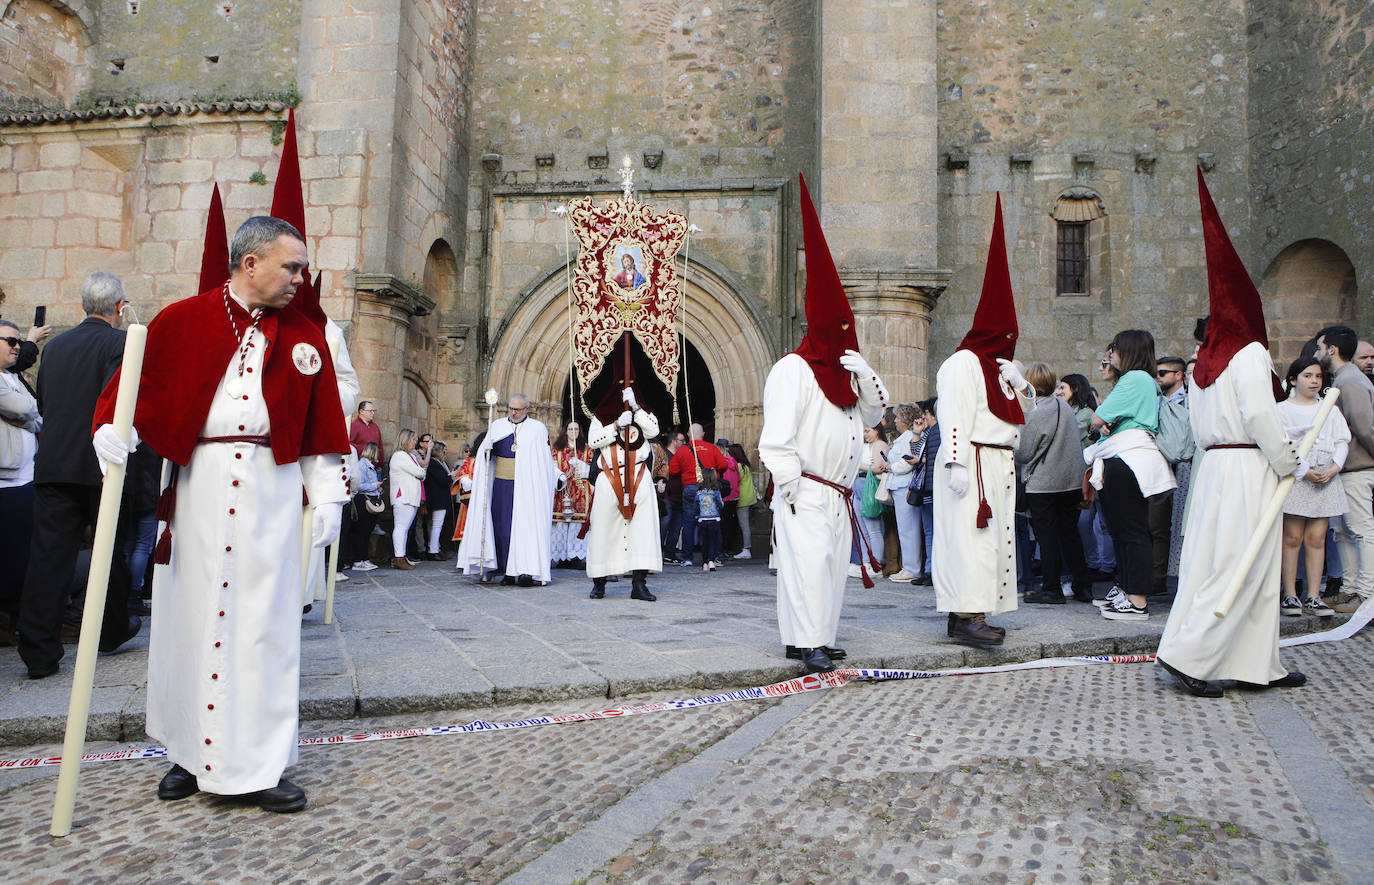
[[798, 685]]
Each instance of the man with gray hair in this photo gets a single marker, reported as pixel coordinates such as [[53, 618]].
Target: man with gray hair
[[239, 393], [508, 525], [76, 365]]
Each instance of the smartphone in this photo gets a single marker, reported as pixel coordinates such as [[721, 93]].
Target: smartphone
[[40, 315]]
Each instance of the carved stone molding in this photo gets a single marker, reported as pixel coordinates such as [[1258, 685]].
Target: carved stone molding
[[392, 293]]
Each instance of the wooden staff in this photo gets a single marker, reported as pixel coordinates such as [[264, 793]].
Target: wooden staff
[[1271, 510], [97, 585]]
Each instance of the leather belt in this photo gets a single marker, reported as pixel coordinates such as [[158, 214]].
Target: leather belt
[[1230, 446], [254, 440]]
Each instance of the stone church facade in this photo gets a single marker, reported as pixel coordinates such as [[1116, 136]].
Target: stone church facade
[[436, 137]]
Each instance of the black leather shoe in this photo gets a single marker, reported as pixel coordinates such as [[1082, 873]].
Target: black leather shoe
[[816, 660], [130, 631], [284, 798], [835, 654], [43, 672], [1044, 598], [924, 580], [508, 581], [975, 632], [1293, 680], [177, 784], [1083, 592], [641, 592], [1200, 687], [525, 581], [598, 588]]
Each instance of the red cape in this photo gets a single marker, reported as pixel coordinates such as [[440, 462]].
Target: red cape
[[189, 347]]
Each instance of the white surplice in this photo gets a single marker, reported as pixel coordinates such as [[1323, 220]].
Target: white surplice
[[1227, 493], [974, 570], [224, 656], [616, 545], [804, 431], [531, 528]]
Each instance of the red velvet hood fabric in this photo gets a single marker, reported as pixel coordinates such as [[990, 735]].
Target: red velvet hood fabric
[[214, 260], [1236, 312], [189, 347], [829, 318], [994, 331], [288, 204]]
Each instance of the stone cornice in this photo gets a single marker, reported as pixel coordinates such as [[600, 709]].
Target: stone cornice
[[891, 287], [139, 111], [385, 287]]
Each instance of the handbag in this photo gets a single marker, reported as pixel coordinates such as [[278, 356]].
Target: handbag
[[374, 503], [869, 506], [882, 493]]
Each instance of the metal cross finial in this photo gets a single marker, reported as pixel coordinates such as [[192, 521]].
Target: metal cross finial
[[627, 178]]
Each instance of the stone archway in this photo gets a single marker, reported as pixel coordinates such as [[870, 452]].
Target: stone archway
[[1308, 285], [531, 349]]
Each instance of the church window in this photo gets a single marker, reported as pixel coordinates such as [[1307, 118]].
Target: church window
[[1080, 243]]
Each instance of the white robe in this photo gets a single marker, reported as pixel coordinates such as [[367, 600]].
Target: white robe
[[224, 656], [313, 587], [804, 431], [616, 545], [973, 569], [531, 529], [1227, 493]]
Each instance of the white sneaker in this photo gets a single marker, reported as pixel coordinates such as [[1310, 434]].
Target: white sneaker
[[902, 577], [364, 566], [340, 577], [686, 563], [713, 565], [744, 554], [854, 571], [707, 567]]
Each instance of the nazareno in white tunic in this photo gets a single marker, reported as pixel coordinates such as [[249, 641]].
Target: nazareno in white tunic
[[616, 545]]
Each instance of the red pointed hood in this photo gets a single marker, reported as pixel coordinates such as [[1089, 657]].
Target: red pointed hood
[[288, 204], [1236, 312], [829, 318], [214, 259], [994, 331]]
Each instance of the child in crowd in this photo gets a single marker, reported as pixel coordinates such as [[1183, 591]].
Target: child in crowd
[[709, 507]]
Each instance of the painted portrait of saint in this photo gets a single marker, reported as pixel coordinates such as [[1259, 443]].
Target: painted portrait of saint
[[629, 261]]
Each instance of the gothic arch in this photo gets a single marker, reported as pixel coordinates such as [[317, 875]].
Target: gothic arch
[[1308, 285], [45, 52], [530, 347]]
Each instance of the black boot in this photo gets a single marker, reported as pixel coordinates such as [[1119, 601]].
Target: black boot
[[598, 588], [638, 588]]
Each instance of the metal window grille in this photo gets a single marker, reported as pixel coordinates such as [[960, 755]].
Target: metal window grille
[[1072, 264]]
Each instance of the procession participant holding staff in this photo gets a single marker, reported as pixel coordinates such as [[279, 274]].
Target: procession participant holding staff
[[512, 492], [981, 404], [623, 531], [240, 395], [1232, 403], [816, 403]]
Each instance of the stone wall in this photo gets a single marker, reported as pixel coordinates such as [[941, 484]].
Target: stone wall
[[1118, 97], [1311, 113], [44, 56], [126, 196]]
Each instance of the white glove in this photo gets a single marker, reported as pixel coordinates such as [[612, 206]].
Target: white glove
[[109, 448], [958, 479], [1012, 375], [629, 397], [624, 419], [854, 362], [324, 528], [1297, 433], [1301, 470], [789, 490]]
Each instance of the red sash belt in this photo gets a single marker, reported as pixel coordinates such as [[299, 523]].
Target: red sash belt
[[167, 501], [984, 511], [860, 538]]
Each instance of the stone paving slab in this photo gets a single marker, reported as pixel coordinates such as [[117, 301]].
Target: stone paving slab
[[432, 639]]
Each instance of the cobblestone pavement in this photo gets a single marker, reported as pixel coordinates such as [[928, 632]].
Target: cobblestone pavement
[[1104, 773], [430, 639]]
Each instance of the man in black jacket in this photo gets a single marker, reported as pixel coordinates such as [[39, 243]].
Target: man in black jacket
[[76, 366]]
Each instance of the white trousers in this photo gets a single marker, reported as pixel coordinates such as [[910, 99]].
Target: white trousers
[[436, 528], [404, 517], [1355, 537]]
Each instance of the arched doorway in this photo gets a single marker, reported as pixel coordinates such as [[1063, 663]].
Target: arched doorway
[[695, 394], [1309, 285], [530, 352]]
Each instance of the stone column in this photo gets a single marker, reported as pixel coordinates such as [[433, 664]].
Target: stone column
[[878, 185], [385, 308]]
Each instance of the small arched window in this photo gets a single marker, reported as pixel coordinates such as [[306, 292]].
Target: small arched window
[[1080, 243]]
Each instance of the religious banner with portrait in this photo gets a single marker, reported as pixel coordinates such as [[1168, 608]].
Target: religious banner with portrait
[[626, 281]]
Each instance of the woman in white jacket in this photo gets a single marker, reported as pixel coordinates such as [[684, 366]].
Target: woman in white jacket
[[407, 473], [18, 443]]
